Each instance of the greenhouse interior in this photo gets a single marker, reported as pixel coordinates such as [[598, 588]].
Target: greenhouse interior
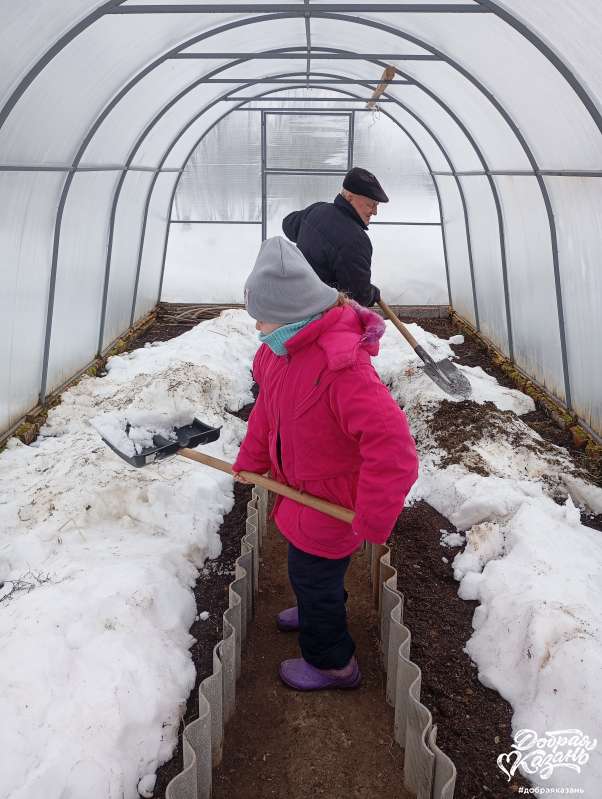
[[149, 153]]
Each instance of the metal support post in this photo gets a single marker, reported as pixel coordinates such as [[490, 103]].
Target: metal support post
[[264, 202]]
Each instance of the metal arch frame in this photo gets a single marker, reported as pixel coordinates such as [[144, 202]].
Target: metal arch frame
[[492, 6], [298, 10], [370, 23], [309, 100], [530, 157], [446, 156], [398, 102], [399, 34], [74, 168], [71, 174], [178, 136], [264, 182], [308, 39], [524, 30], [556, 60], [89, 136], [351, 141], [266, 55], [532, 160], [484, 164], [571, 173], [79, 155], [420, 122], [341, 91], [151, 187], [53, 51], [320, 84]]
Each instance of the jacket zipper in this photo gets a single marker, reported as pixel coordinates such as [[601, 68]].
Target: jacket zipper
[[279, 449]]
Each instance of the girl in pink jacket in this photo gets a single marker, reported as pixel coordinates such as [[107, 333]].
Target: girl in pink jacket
[[324, 424]]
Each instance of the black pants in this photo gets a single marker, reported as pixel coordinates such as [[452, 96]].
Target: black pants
[[319, 584]]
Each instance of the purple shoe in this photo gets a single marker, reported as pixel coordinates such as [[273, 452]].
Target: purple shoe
[[287, 620], [301, 675]]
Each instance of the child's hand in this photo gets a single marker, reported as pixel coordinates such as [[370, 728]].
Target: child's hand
[[240, 479]]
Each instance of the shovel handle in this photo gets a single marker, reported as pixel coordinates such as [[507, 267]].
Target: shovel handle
[[398, 324], [329, 508]]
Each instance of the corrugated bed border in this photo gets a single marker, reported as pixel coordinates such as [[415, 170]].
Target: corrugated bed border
[[428, 772], [202, 739]]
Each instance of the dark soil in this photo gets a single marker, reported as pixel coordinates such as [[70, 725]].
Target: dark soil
[[163, 328], [474, 722], [474, 353], [458, 426], [211, 594], [595, 522]]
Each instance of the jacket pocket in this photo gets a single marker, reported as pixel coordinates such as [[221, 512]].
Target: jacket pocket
[[321, 385]]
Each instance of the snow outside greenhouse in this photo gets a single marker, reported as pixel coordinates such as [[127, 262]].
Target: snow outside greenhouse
[[147, 150]]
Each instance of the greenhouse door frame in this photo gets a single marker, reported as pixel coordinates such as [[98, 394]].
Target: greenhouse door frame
[[265, 170]]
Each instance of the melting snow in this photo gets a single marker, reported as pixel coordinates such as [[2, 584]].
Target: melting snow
[[98, 561]]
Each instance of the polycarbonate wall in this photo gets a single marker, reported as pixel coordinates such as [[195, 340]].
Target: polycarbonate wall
[[101, 107], [304, 156]]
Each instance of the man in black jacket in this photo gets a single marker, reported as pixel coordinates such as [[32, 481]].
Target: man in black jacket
[[333, 238]]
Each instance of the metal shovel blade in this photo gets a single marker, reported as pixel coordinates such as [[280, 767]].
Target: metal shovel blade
[[190, 436], [452, 382], [445, 374]]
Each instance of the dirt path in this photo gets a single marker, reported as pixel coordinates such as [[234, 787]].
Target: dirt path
[[331, 744]]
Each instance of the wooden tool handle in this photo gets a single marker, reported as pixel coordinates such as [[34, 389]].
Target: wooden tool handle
[[329, 508], [398, 324]]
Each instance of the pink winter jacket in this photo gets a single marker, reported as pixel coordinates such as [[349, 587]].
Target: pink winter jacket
[[325, 424]]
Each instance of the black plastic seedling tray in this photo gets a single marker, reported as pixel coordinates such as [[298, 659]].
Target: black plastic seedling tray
[[190, 435]]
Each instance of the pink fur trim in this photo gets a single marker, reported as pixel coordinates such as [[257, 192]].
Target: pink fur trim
[[373, 324]]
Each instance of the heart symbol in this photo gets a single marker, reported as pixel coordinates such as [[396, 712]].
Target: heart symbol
[[510, 758]]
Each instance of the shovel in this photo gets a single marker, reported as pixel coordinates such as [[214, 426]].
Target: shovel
[[444, 373], [199, 433]]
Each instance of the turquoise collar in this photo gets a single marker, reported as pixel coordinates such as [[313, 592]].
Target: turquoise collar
[[277, 339]]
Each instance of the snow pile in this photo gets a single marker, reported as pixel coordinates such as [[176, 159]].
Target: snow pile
[[534, 568], [538, 639], [451, 539], [134, 431], [98, 561]]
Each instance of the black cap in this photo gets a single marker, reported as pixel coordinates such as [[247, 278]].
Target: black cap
[[360, 181]]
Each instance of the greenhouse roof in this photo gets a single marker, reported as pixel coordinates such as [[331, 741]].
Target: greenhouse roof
[[104, 103]]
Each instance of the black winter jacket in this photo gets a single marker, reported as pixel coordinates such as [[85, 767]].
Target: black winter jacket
[[333, 238]]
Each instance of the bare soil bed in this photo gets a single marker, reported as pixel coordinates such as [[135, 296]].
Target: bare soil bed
[[473, 353], [474, 722]]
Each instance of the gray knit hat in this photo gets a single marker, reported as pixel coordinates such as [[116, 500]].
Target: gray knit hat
[[282, 287]]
